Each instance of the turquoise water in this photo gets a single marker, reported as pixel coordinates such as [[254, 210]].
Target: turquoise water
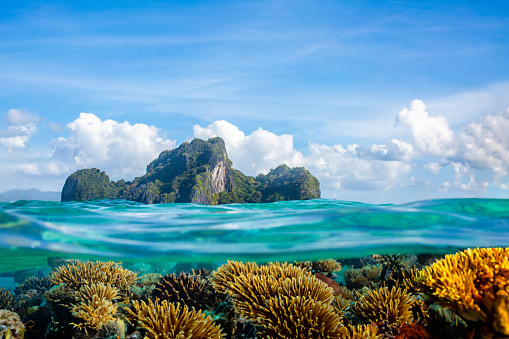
[[32, 231]]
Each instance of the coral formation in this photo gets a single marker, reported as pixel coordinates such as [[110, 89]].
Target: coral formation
[[226, 273], [6, 299], [11, 326], [96, 312], [474, 282], [392, 306], [360, 332], [34, 283], [189, 289], [77, 273], [367, 276], [325, 266], [164, 320], [298, 317]]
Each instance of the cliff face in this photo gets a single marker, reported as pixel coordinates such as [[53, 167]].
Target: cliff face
[[197, 172]]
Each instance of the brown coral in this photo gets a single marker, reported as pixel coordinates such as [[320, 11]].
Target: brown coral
[[323, 266], [164, 320], [474, 282], [34, 283], [392, 306]]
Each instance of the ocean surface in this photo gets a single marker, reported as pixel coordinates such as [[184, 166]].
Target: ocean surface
[[119, 230]]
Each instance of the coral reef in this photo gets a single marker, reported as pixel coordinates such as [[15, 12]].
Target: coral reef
[[186, 288], [367, 276], [392, 306], [360, 332], [11, 325], [325, 266], [474, 282], [164, 320], [6, 299]]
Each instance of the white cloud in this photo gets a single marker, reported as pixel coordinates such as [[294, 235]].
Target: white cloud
[[433, 167], [376, 167], [431, 135], [121, 149], [337, 167], [21, 126], [255, 153], [486, 143]]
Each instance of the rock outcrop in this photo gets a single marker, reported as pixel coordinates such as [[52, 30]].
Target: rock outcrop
[[196, 172]]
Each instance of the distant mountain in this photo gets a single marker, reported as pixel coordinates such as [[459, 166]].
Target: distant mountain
[[197, 172], [31, 194]]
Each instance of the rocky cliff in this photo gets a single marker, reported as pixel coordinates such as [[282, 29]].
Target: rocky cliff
[[197, 172]]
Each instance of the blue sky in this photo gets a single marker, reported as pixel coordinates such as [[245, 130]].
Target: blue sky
[[383, 101]]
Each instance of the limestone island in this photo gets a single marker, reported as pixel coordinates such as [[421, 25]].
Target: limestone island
[[197, 172]]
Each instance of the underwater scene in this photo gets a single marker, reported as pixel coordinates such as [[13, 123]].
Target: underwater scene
[[291, 269]]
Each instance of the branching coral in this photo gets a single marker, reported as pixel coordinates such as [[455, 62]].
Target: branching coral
[[225, 273], [99, 290], [96, 312], [189, 289], [474, 282], [367, 276], [323, 266], [298, 318], [360, 332], [6, 299], [77, 273], [164, 320], [34, 283], [392, 306]]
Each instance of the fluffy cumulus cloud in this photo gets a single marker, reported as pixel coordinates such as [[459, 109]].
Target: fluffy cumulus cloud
[[356, 167], [431, 135], [485, 144], [21, 126], [255, 153], [119, 148]]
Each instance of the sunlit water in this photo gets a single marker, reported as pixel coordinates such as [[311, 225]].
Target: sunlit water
[[32, 231]]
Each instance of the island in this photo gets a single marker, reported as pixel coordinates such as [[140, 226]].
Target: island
[[195, 172]]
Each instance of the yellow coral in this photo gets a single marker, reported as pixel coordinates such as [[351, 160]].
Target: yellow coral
[[475, 282], [360, 332], [88, 272], [392, 306], [164, 320], [225, 273], [96, 312], [298, 318]]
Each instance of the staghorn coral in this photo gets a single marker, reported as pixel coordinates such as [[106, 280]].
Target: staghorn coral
[[11, 326], [367, 276], [282, 270], [77, 273], [392, 306], [474, 282], [298, 317], [360, 332], [6, 299], [164, 320]]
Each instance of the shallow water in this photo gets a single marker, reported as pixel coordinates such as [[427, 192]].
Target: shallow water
[[32, 231]]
